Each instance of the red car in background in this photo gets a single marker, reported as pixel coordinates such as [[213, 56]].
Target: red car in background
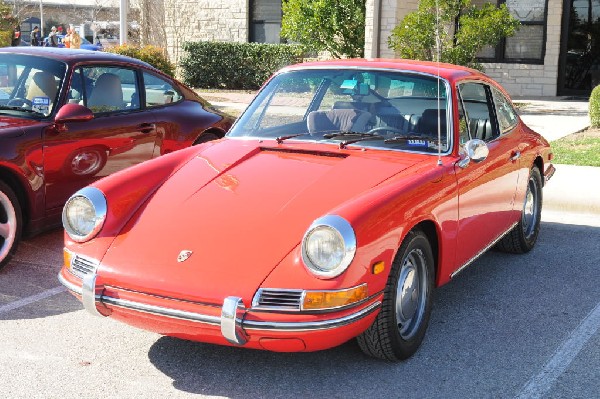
[[69, 117], [340, 198]]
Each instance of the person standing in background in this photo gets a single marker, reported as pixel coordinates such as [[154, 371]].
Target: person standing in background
[[72, 39], [35, 36], [16, 39], [52, 39]]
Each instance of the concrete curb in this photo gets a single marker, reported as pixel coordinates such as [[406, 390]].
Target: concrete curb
[[573, 189]]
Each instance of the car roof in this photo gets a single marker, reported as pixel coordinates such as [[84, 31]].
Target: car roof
[[447, 71], [72, 56]]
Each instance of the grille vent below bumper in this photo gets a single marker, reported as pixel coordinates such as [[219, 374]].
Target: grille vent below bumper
[[278, 299], [81, 266]]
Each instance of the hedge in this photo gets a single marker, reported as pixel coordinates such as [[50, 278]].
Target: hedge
[[222, 65], [153, 55], [595, 107]]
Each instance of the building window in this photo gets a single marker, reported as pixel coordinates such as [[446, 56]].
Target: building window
[[265, 21], [528, 45]]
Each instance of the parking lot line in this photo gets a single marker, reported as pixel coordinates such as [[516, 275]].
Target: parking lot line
[[31, 299], [537, 386]]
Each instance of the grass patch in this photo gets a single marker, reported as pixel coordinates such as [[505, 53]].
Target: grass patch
[[582, 149]]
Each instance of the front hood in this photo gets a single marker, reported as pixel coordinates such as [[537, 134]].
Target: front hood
[[13, 127], [240, 208]]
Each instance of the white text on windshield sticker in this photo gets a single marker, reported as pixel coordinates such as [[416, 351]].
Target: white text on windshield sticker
[[418, 143], [40, 104]]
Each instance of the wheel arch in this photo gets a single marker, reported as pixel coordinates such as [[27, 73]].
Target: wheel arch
[[214, 130], [9, 177], [430, 229], [538, 162]]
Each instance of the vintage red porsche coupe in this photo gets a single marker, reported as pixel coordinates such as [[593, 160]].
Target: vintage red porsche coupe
[[341, 197], [69, 117]]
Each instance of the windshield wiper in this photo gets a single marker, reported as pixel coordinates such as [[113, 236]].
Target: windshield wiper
[[11, 108], [358, 137], [281, 139], [349, 134]]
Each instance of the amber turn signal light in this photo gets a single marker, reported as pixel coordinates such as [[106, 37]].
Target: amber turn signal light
[[320, 300], [378, 267], [67, 258]]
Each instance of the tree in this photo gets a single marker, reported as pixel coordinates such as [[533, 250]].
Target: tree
[[463, 31], [7, 24], [336, 26]]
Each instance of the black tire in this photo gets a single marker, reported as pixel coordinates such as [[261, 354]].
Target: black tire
[[11, 223], [85, 162], [523, 236], [205, 137], [400, 326]]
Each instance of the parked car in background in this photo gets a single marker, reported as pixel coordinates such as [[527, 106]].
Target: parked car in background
[[69, 117], [85, 43], [340, 198]]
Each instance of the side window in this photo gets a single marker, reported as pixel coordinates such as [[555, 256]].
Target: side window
[[463, 129], [159, 91], [507, 116], [477, 108], [109, 89]]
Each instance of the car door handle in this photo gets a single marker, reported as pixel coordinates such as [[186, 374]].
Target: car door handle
[[515, 156], [147, 127]]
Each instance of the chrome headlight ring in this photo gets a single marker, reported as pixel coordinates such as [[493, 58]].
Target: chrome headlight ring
[[328, 246], [84, 214]]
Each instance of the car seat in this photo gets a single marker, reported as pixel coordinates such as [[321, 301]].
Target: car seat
[[42, 84], [338, 120], [107, 94]]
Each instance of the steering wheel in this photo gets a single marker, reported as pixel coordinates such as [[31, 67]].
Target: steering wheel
[[19, 102], [386, 129]]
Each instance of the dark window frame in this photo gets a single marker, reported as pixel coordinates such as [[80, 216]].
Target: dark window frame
[[252, 22], [500, 49]]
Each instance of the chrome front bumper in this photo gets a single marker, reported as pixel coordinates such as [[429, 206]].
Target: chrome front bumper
[[232, 323]]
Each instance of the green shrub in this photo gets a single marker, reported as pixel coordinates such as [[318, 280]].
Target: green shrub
[[464, 30], [5, 37], [153, 55], [222, 65], [595, 107]]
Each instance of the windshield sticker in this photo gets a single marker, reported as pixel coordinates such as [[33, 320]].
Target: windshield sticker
[[418, 143], [40, 104]]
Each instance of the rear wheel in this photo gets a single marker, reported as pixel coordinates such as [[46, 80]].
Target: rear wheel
[[11, 222], [400, 326], [523, 236]]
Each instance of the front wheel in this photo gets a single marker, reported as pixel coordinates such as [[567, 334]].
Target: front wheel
[[11, 222], [523, 236], [399, 328]]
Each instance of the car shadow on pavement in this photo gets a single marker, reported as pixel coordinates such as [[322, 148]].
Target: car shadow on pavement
[[492, 327]]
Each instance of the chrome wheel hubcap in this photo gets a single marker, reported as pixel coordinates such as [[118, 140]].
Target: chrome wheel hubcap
[[8, 225], [411, 293], [530, 208]]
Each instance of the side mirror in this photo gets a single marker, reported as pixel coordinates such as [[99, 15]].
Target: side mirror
[[73, 113], [474, 150]]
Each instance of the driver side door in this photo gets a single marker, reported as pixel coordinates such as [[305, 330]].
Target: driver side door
[[486, 189], [121, 134]]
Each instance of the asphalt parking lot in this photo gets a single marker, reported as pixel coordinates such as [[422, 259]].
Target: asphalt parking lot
[[509, 326]]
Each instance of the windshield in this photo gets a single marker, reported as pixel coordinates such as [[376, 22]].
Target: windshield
[[29, 86], [370, 108]]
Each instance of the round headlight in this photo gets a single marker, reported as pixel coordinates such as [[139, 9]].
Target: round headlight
[[84, 214], [329, 246]]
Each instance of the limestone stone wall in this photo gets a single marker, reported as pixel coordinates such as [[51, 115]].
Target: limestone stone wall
[[518, 79], [534, 80], [196, 20], [386, 14]]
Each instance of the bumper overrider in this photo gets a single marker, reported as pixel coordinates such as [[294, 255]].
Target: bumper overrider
[[233, 324]]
